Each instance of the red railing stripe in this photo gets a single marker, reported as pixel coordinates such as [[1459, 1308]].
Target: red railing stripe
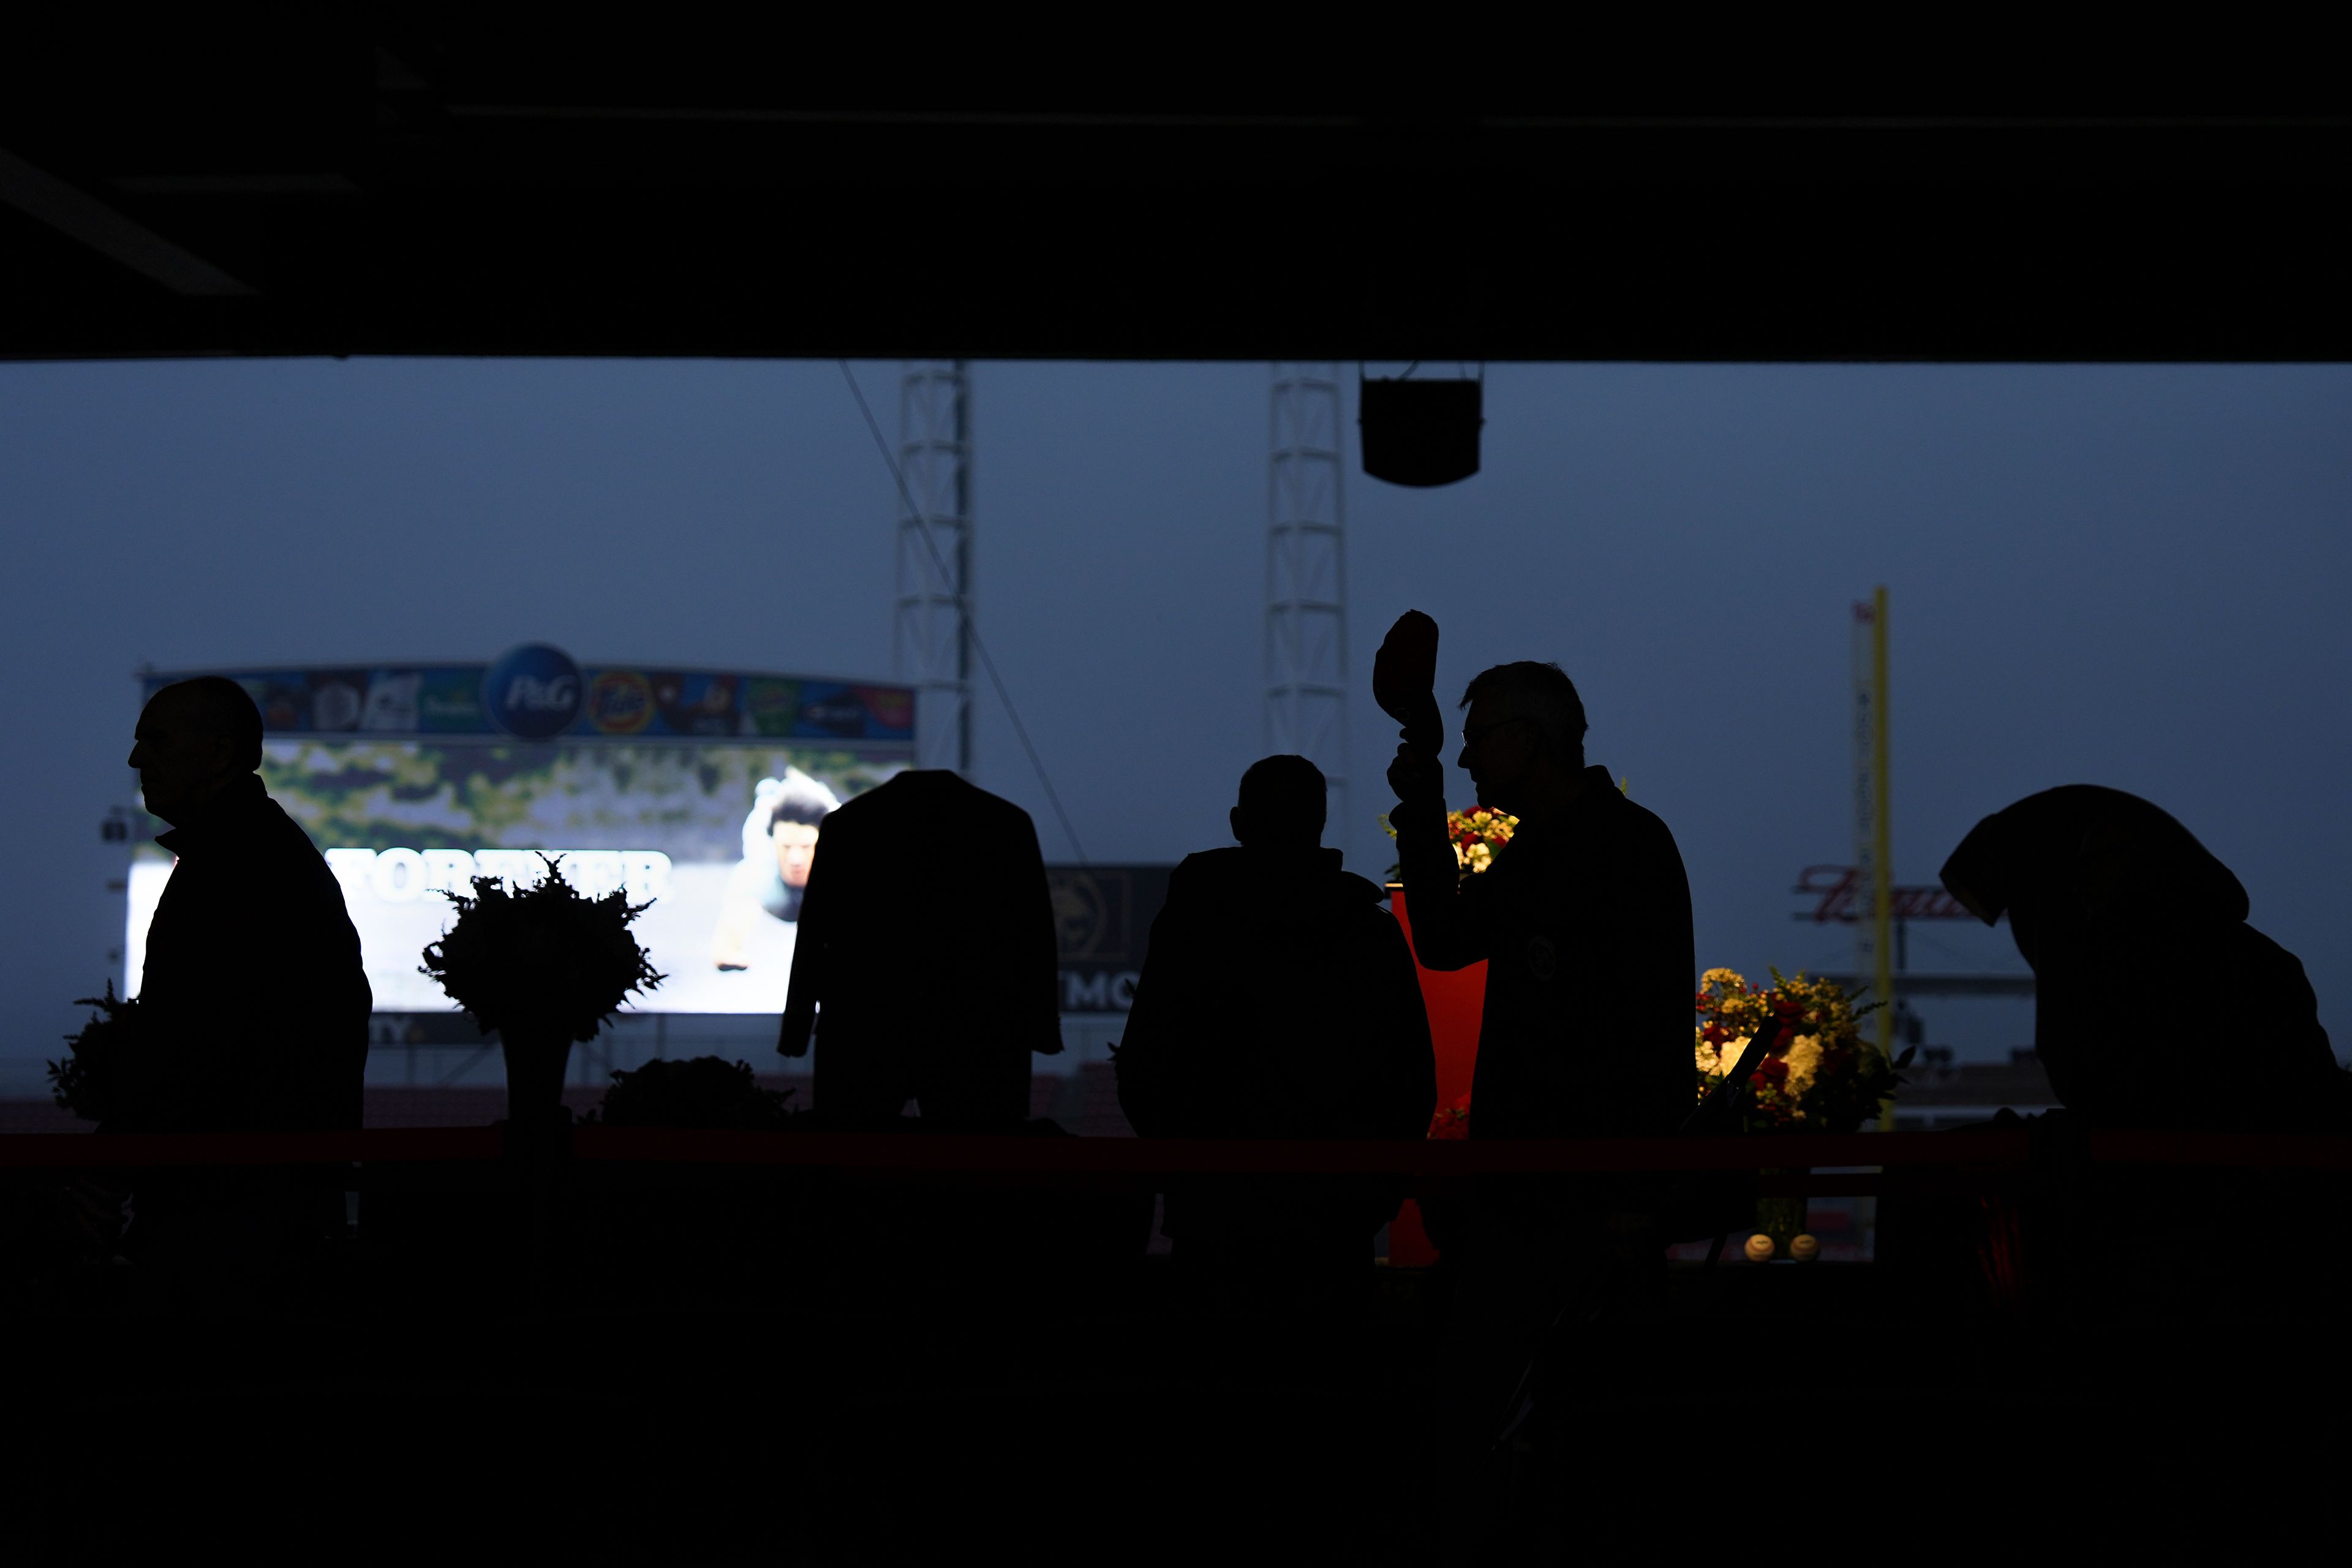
[[1994, 1150]]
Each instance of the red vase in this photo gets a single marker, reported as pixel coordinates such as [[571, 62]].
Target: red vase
[[1455, 1000]]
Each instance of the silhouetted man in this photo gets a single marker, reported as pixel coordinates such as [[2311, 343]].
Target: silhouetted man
[[1584, 921], [926, 963], [253, 1005], [2155, 1003], [1277, 1000]]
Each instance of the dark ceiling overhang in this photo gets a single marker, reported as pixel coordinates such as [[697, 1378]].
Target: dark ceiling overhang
[[364, 188]]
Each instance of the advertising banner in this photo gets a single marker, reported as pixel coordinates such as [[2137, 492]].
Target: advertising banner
[[1102, 923], [717, 834], [538, 693]]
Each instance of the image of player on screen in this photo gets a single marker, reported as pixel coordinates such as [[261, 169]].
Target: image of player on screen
[[779, 841]]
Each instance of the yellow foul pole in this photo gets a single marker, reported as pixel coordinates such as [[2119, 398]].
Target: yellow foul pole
[[1882, 898]]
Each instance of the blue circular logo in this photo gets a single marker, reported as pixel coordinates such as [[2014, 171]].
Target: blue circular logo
[[532, 691]]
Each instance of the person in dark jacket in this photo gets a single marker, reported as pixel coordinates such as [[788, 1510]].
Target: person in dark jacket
[[926, 966], [253, 1003], [1583, 919], [2156, 1004], [1584, 922], [1277, 1000]]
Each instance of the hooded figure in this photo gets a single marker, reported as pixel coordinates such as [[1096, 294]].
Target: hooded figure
[[1277, 1000], [2156, 1004]]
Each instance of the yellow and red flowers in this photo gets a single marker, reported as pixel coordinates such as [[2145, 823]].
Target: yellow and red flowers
[[1476, 834], [1818, 1075]]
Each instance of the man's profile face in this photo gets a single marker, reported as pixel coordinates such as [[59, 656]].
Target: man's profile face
[[181, 759], [1498, 753], [795, 847]]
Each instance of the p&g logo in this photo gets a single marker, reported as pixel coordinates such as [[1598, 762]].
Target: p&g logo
[[532, 691]]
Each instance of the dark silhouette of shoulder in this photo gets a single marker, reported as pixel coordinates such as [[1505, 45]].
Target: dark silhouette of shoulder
[[1278, 999], [254, 997]]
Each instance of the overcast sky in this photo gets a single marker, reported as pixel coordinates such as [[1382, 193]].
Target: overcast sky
[[2131, 576]]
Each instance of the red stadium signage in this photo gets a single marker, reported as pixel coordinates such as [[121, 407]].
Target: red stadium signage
[[1840, 897]]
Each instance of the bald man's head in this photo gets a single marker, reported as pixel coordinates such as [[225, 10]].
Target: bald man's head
[[193, 738]]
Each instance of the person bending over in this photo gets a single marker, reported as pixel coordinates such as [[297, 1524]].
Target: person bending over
[[1277, 1000], [2155, 1003]]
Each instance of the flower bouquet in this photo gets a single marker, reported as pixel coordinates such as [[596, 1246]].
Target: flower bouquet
[[1818, 1074], [1476, 834], [543, 966]]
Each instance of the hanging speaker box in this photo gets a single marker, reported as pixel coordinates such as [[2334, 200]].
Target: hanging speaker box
[[1421, 433]]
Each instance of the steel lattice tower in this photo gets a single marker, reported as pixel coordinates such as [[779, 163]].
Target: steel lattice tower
[[931, 640], [1306, 582]]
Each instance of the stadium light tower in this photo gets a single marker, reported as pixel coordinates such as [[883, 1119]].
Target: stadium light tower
[[1306, 582], [931, 637]]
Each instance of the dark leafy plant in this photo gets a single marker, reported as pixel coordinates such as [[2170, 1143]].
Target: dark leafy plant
[[543, 957], [701, 1092], [93, 1080]]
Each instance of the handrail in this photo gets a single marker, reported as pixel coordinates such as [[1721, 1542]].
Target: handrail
[[142, 1151], [1207, 1156], [1993, 1149]]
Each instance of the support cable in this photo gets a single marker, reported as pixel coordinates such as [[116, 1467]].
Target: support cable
[[964, 600]]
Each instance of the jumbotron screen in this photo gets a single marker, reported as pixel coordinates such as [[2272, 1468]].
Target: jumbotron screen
[[699, 791]]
